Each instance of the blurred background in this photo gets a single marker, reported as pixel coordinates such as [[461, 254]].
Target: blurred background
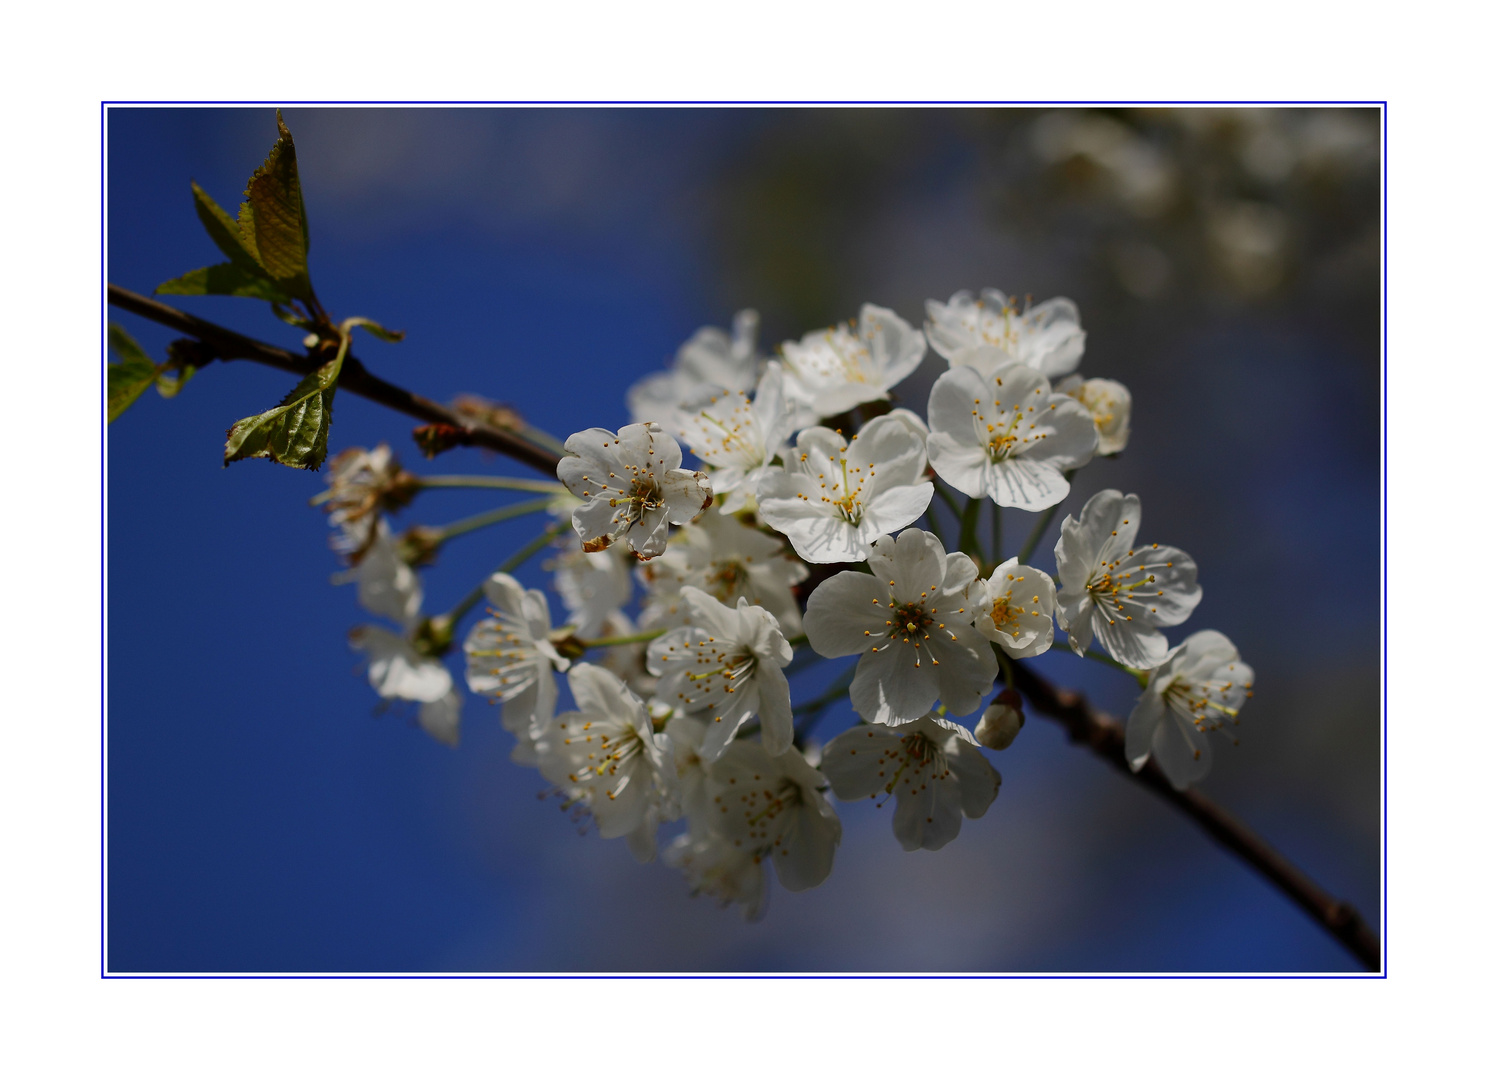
[[265, 813]]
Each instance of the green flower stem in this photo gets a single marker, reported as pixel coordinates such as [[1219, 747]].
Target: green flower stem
[[628, 639], [491, 517], [1005, 665], [934, 521], [968, 542], [542, 438], [506, 483], [1040, 527], [522, 554], [812, 711], [996, 535], [945, 493], [1109, 661]]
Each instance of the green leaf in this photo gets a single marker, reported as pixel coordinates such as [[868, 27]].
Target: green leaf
[[170, 385], [223, 230], [271, 223], [296, 431], [224, 279], [129, 378], [377, 330]]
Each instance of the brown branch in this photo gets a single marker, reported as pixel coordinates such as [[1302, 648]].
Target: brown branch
[[1083, 723], [1106, 738], [226, 344]]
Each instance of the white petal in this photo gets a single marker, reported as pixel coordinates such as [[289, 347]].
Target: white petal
[[441, 718], [1182, 754], [845, 612], [854, 761], [804, 857], [895, 684], [927, 817], [776, 726]]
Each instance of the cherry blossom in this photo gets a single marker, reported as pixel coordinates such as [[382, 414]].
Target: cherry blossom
[[1046, 337], [1013, 608], [634, 487], [727, 560], [836, 496], [910, 621], [738, 437], [711, 361], [725, 666], [830, 371], [934, 769], [1000, 431], [594, 585], [399, 672], [1198, 688], [1121, 593], [1109, 405], [509, 659], [606, 750], [773, 805], [715, 867]]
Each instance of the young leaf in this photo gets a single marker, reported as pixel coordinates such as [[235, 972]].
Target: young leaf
[[170, 385], [129, 378], [271, 223], [377, 330], [296, 431], [224, 279], [223, 230]]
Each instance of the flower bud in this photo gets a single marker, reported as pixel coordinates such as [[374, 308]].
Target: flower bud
[[1001, 721]]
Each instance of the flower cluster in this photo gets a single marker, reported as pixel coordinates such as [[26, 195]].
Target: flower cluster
[[807, 527]]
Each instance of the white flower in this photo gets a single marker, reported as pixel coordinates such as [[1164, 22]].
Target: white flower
[[397, 671], [386, 585], [1117, 590], [727, 560], [686, 735], [606, 751], [933, 768], [835, 496], [765, 804], [1199, 687], [1000, 431], [710, 360], [509, 659], [593, 585], [1047, 337], [739, 437], [830, 371], [910, 622], [1109, 405], [725, 666], [715, 867], [634, 487], [363, 483], [1013, 606]]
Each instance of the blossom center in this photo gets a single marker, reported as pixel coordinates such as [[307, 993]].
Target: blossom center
[[909, 620], [1197, 705], [1005, 615]]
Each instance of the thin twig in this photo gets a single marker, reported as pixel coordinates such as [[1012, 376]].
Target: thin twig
[[1106, 738], [229, 345]]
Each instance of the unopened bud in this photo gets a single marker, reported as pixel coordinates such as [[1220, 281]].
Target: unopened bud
[[419, 545], [435, 439], [1001, 721]]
